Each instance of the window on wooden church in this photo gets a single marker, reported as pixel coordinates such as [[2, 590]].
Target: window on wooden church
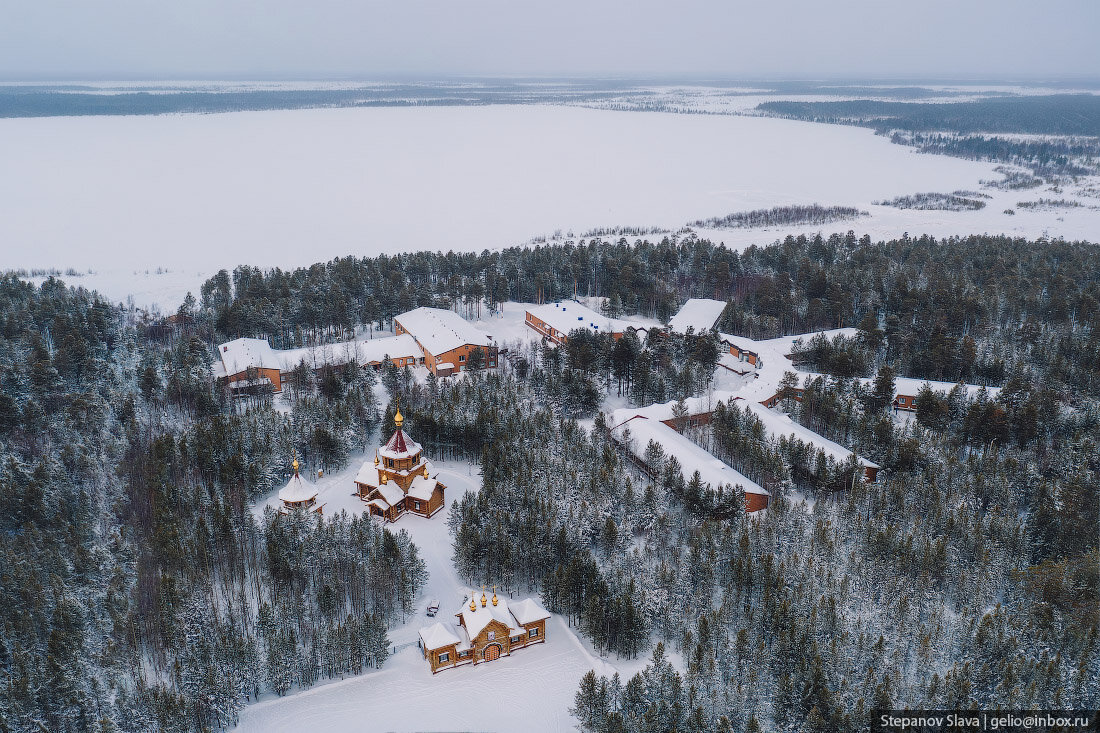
[[416, 504], [462, 357], [492, 635], [445, 656], [533, 632]]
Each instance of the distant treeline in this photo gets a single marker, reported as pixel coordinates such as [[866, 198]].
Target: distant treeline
[[935, 202], [1013, 180], [780, 216], [1054, 157], [1051, 114], [1046, 204], [45, 101], [922, 124]]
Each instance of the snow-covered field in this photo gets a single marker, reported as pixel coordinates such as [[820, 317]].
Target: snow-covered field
[[531, 690], [153, 205]]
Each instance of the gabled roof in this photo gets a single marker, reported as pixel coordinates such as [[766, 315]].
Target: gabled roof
[[437, 636], [568, 315], [528, 611], [743, 343], [440, 331], [779, 425], [785, 344], [391, 493], [422, 488], [692, 458], [368, 474], [476, 621], [910, 386], [364, 352], [700, 314], [241, 354]]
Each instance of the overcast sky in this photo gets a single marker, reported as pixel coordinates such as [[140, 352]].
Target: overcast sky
[[368, 39]]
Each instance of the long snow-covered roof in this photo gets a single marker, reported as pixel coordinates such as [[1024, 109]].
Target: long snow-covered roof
[[241, 354], [779, 425], [741, 342], [665, 410], [369, 351], [785, 344], [910, 386], [440, 331], [569, 315], [775, 423], [692, 458], [700, 314]]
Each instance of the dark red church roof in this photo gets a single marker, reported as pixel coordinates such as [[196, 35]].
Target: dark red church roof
[[397, 442]]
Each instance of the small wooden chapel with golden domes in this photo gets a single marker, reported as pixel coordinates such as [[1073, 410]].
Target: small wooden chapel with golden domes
[[298, 494], [400, 480]]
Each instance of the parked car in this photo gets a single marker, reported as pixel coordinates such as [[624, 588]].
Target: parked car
[[433, 607]]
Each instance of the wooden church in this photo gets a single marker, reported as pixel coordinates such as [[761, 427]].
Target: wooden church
[[400, 480], [484, 632]]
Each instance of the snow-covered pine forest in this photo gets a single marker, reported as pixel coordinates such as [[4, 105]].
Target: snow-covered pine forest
[[141, 593]]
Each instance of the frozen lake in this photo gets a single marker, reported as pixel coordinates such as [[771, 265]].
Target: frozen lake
[[190, 194]]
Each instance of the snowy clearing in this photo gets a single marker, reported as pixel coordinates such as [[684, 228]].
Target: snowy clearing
[[538, 683], [190, 194], [531, 690]]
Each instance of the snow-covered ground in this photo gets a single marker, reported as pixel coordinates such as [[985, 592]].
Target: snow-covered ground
[[532, 690], [181, 196]]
